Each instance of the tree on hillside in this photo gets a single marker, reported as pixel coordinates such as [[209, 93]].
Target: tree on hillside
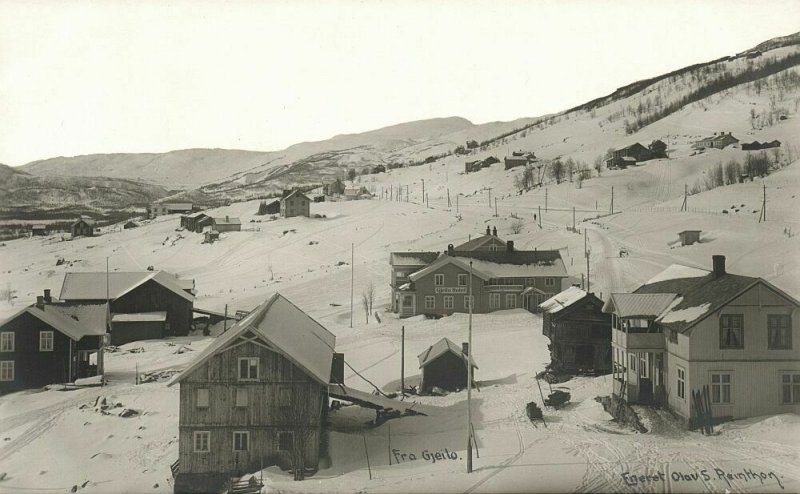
[[351, 174], [367, 299], [298, 416], [262, 208], [598, 165], [569, 167], [557, 170]]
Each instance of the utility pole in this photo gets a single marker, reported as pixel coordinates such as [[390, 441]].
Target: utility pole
[[406, 193], [490, 197], [586, 254], [456, 204], [495, 207], [352, 279], [423, 189], [540, 216], [469, 377], [612, 199], [427, 203], [225, 321], [573, 218], [100, 354], [448, 197], [402, 362], [685, 195], [763, 215], [545, 199]]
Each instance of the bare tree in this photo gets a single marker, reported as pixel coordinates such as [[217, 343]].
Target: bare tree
[[598, 165], [516, 226], [557, 170], [299, 415], [367, 299]]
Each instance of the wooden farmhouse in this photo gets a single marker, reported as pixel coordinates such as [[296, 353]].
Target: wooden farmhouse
[[688, 328], [502, 278], [226, 224], [39, 230], [716, 141], [49, 342], [356, 193], [628, 156], [255, 397], [334, 188], [194, 221], [579, 332], [295, 203], [135, 299], [161, 208], [444, 365], [83, 227]]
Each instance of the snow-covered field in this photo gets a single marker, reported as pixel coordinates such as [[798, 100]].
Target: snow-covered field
[[53, 440]]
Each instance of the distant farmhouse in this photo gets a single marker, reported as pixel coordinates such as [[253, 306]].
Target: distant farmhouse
[[85, 227], [579, 331], [192, 222], [130, 224], [756, 146], [716, 141], [519, 158], [49, 342], [161, 208], [689, 237], [503, 278], [226, 224], [295, 203], [355, 193], [444, 365], [628, 156], [141, 296], [689, 328], [334, 188], [39, 230], [473, 166], [256, 396]]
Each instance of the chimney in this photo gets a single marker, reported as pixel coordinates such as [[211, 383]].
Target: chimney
[[510, 246], [450, 250], [47, 297], [494, 231], [227, 218], [719, 266], [40, 302], [465, 348], [488, 230]]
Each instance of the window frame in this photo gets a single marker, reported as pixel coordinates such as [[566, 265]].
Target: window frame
[[7, 366], [198, 402], [511, 296], [549, 281], [632, 361], [430, 302], [278, 438], [787, 329], [723, 328], [244, 434], [207, 435], [249, 378], [494, 301], [241, 395], [464, 277], [718, 388], [681, 385], [469, 301], [793, 385], [449, 302], [50, 337], [7, 336], [438, 279]]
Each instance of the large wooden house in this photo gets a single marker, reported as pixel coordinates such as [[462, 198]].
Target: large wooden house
[[226, 224], [295, 203], [49, 342], [716, 141], [257, 396], [688, 328], [628, 156], [579, 331], [161, 208], [502, 278], [143, 293]]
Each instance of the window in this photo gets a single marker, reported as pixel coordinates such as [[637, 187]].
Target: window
[[462, 279], [248, 369], [468, 300], [511, 301], [780, 332], [448, 301], [241, 440], [285, 396], [438, 279], [721, 388], [6, 341], [494, 300], [529, 282], [241, 397], [400, 274], [672, 336], [285, 440], [790, 384], [202, 398], [644, 365], [430, 301], [202, 441], [632, 363], [731, 331], [45, 341], [549, 282], [681, 383]]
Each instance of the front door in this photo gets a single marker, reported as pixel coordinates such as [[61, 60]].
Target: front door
[[408, 308]]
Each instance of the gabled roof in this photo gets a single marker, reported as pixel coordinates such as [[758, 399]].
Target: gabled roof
[[88, 221], [92, 285], [198, 214], [227, 221], [477, 242], [73, 321], [632, 146], [440, 348], [564, 299], [284, 327], [644, 305], [444, 260], [412, 258], [501, 264], [295, 193]]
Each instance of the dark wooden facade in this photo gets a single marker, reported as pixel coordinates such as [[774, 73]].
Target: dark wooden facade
[[580, 336], [34, 368], [280, 388], [127, 331], [83, 227], [446, 371]]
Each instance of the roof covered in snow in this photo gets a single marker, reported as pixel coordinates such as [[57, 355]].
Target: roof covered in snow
[[227, 221], [92, 285], [73, 321], [287, 329], [478, 242], [140, 317], [677, 271], [638, 304], [564, 299], [501, 264], [412, 258], [440, 348]]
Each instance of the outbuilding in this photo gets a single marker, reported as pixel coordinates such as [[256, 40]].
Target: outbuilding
[[39, 230], [227, 224], [688, 237], [139, 326], [83, 227], [444, 365]]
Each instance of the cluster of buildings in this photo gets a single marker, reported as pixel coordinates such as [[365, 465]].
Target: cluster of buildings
[[630, 155], [475, 165], [519, 158]]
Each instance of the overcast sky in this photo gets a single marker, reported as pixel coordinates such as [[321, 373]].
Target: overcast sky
[[145, 76]]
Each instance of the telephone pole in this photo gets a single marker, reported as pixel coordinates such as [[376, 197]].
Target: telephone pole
[[586, 254], [763, 215], [495, 207], [469, 377], [573, 219], [490, 197], [423, 189], [540, 217], [352, 280], [402, 362], [612, 199], [545, 199], [684, 206]]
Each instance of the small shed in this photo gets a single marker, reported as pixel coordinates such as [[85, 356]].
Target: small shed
[[130, 224], [211, 236], [444, 364], [227, 224], [83, 227], [139, 326], [39, 230], [688, 237]]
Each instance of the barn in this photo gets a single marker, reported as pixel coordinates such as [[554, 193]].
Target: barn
[[136, 327], [39, 229], [444, 365], [227, 224], [83, 227]]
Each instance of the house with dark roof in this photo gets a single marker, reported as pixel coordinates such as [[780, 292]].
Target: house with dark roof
[[627, 156], [688, 328], [500, 279], [518, 158], [130, 224], [357, 193], [84, 227], [274, 207], [192, 221], [716, 141], [579, 332], [444, 365], [130, 293], [295, 203], [49, 343], [256, 396]]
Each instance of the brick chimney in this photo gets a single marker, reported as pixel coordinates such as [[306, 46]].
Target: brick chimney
[[494, 231], [47, 297], [465, 348], [450, 250], [719, 266], [488, 230], [510, 246], [40, 302]]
